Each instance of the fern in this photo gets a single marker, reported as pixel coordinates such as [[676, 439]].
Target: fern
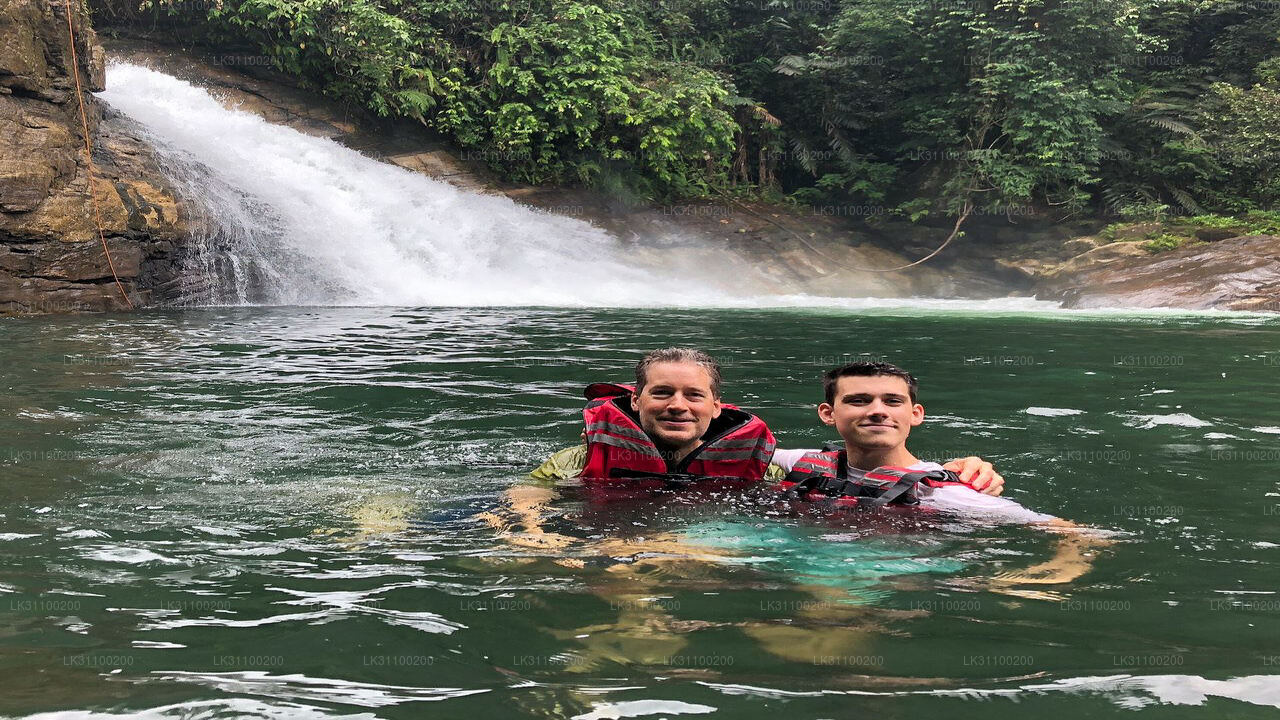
[[1185, 201], [413, 103]]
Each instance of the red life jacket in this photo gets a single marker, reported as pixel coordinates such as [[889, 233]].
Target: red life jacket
[[735, 450], [825, 475]]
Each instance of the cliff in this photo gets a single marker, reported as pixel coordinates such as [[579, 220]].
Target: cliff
[[51, 257]]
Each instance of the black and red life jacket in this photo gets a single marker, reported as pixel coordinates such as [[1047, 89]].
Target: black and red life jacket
[[735, 449], [826, 476]]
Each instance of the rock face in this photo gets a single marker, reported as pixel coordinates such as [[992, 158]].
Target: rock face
[[51, 257], [1241, 273]]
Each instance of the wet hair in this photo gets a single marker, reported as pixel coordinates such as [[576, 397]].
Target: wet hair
[[866, 369], [678, 355]]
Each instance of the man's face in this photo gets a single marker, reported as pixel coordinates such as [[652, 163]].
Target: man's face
[[676, 405], [875, 413]]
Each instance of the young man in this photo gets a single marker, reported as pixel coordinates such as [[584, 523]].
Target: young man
[[873, 406], [674, 422]]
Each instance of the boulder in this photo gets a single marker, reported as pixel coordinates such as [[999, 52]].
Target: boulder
[[1100, 255], [1241, 273], [1217, 234]]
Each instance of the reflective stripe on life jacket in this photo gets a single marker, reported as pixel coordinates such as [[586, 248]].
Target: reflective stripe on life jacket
[[825, 475], [735, 450]]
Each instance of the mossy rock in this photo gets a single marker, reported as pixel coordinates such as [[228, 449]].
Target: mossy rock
[[1136, 231]]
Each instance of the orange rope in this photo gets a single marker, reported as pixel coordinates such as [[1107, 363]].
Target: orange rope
[[88, 156]]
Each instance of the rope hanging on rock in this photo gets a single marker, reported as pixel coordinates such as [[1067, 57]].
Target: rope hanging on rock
[[955, 231], [88, 156]]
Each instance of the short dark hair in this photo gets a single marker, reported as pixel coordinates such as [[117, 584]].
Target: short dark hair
[[866, 369], [678, 355]]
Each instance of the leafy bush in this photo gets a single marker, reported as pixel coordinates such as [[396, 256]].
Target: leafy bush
[[1244, 128], [1263, 222], [547, 91], [1257, 222], [1163, 242], [1146, 108]]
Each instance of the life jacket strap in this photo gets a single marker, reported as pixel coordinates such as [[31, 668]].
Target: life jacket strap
[[672, 481], [803, 484], [873, 489], [904, 484]]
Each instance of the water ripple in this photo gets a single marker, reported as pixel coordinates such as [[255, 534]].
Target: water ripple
[[301, 687]]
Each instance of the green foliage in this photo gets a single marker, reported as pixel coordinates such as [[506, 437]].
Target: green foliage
[[1177, 231], [1263, 222], [1143, 211], [1164, 242], [1257, 222], [991, 105], [1142, 108], [577, 91], [353, 49], [1213, 221], [546, 91], [1196, 136], [1243, 125]]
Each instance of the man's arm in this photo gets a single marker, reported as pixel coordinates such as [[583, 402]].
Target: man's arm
[[526, 505], [1076, 546]]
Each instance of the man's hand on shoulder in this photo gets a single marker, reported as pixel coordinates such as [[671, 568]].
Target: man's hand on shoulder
[[978, 474]]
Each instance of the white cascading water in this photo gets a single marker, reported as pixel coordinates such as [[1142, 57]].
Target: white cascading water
[[304, 220], [299, 220]]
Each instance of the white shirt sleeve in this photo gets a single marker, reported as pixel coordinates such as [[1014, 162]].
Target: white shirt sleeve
[[964, 500], [786, 459]]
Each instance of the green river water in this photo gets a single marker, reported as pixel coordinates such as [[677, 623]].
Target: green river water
[[271, 512]]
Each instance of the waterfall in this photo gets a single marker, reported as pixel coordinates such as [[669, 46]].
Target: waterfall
[[291, 219], [295, 219]]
